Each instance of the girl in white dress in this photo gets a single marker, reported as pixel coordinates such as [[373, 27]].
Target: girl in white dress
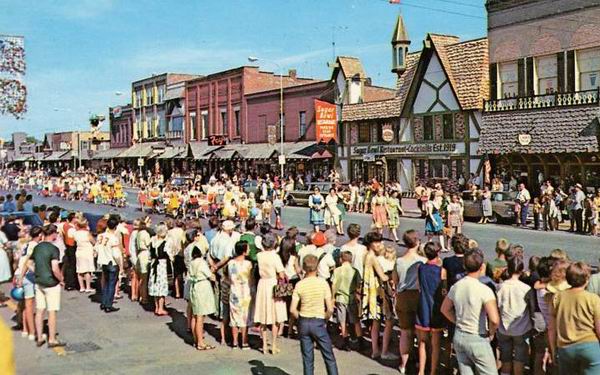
[[5, 269]]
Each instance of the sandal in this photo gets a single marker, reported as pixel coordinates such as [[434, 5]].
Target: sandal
[[39, 344], [205, 347]]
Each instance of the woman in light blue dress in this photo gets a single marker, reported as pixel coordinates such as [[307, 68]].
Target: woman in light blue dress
[[202, 297], [316, 203]]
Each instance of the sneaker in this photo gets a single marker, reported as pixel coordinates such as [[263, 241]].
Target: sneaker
[[389, 356], [402, 370], [31, 337], [24, 334]]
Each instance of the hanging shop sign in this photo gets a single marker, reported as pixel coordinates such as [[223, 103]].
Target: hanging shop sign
[[117, 111], [410, 149], [387, 132], [140, 162], [272, 134], [524, 139], [326, 121], [217, 140]]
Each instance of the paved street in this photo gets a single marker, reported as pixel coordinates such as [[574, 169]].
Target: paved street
[[536, 242]]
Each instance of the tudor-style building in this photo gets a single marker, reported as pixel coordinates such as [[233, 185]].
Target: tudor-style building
[[430, 130]]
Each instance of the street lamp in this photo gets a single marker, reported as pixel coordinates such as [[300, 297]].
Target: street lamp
[[281, 151]]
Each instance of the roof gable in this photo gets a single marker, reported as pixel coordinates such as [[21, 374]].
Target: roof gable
[[351, 67]]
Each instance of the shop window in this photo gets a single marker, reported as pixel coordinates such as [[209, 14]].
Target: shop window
[[236, 118], [588, 62], [364, 133], [547, 74], [302, 121], [193, 124], [428, 128], [448, 126], [509, 79], [224, 122], [440, 168], [420, 164]]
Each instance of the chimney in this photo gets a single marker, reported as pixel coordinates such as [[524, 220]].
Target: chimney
[[292, 73]]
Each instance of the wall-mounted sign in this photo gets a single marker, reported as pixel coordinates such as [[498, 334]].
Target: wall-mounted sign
[[272, 134], [524, 139], [369, 157], [410, 149], [387, 132], [326, 121], [117, 111], [217, 140]]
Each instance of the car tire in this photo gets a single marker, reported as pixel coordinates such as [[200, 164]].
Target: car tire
[[290, 201]]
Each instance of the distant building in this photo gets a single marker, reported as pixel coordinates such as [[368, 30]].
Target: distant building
[[542, 117]]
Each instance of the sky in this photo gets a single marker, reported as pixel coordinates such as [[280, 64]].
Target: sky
[[82, 55]]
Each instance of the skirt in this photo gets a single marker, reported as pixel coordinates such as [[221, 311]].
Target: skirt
[[486, 206], [380, 216], [317, 217], [158, 284], [434, 227], [202, 298], [5, 272], [84, 260], [268, 310]]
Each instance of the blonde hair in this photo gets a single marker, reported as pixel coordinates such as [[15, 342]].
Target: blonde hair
[[473, 244], [390, 254]]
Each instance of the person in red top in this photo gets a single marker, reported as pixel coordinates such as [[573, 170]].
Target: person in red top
[[69, 269]]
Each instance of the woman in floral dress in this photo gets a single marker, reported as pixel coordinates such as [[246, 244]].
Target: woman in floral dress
[[393, 214], [240, 297], [378, 208], [158, 286]]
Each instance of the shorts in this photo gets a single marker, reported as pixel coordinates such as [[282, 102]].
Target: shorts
[[406, 308], [28, 289], [513, 344], [346, 313], [47, 298]]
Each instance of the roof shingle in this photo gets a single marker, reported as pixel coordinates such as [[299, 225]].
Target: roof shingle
[[552, 131]]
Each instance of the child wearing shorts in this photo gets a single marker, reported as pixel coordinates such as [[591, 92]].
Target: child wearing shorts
[[346, 291]]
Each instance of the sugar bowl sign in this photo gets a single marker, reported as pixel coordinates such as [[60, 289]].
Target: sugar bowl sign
[[410, 149], [387, 132]]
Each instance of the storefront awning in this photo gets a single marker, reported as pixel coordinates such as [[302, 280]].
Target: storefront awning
[[201, 150], [56, 155], [177, 152], [224, 154], [111, 153], [143, 150], [541, 131]]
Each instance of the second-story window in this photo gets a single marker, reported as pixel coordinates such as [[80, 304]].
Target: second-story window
[[302, 121], [448, 126], [588, 62], [364, 133], [149, 100], [138, 98], [547, 74], [509, 79], [224, 122], [204, 120], [236, 119], [161, 93], [193, 124], [428, 128]]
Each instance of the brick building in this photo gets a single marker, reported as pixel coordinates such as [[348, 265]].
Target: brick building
[[216, 104], [542, 117], [429, 130], [121, 126]]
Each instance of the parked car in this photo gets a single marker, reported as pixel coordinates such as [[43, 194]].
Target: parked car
[[250, 186], [181, 181], [299, 196], [27, 217], [503, 206]]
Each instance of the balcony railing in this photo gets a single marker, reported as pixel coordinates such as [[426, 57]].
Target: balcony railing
[[569, 99], [174, 134]]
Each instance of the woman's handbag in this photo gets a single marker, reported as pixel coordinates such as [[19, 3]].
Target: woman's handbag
[[283, 289]]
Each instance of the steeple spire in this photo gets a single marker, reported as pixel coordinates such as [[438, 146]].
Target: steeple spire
[[400, 43]]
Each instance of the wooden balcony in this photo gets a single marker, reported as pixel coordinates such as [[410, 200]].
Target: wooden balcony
[[554, 100]]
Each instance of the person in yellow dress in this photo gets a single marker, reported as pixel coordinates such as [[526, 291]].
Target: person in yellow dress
[[173, 204]]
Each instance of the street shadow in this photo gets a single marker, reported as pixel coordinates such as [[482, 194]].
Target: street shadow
[[259, 368], [178, 324]]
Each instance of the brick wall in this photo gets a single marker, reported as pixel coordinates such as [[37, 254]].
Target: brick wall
[[418, 128], [574, 30], [437, 128], [459, 125]]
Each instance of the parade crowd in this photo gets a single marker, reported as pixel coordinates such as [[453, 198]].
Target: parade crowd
[[509, 315]]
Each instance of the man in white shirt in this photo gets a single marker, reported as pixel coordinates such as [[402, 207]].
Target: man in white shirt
[[523, 197], [109, 248], [472, 307], [326, 261], [577, 207], [359, 251]]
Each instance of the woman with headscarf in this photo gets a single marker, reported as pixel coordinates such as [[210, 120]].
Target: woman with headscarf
[[158, 286]]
